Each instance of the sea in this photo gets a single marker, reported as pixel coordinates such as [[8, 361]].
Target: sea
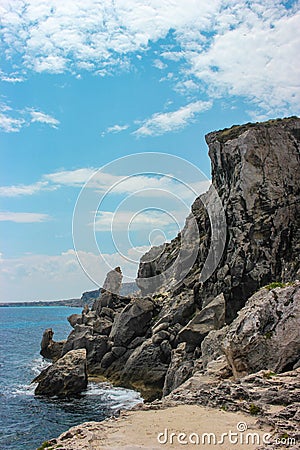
[[26, 420]]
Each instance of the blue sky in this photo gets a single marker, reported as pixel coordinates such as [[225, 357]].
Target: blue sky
[[85, 83]]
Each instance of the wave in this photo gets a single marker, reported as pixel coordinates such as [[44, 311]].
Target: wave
[[38, 364], [116, 397]]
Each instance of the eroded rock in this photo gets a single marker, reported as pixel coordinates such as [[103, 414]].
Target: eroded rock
[[266, 333], [67, 377], [51, 349], [211, 317]]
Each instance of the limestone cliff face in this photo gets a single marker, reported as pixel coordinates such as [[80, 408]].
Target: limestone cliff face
[[255, 170]]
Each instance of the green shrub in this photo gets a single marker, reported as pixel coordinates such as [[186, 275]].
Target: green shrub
[[274, 285], [269, 374], [254, 409], [268, 335]]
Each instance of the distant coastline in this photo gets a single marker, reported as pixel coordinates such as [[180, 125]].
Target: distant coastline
[[87, 298], [73, 302]]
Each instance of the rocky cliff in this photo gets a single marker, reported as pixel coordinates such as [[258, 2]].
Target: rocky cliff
[[154, 343], [255, 171]]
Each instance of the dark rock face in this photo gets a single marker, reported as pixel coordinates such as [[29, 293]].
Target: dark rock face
[[212, 317], [50, 349], [132, 322], [146, 368], [75, 319], [255, 170], [65, 378], [180, 368]]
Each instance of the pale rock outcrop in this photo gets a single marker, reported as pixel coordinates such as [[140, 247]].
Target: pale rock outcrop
[[67, 377], [266, 333]]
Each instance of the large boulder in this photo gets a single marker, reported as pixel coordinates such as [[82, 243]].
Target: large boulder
[[82, 337], [180, 368], [132, 322], [210, 347], [146, 368], [212, 317], [266, 333], [75, 319], [67, 377], [51, 349]]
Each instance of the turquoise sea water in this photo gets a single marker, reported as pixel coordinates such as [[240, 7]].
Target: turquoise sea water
[[25, 420]]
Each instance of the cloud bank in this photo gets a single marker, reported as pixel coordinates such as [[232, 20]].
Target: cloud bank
[[226, 47]]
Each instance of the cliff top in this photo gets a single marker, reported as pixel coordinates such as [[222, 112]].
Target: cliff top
[[235, 131]]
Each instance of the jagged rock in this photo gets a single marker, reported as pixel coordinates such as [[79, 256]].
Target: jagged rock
[[77, 338], [261, 245], [266, 333], [160, 336], [107, 312], [113, 281], [132, 322], [261, 389], [110, 289], [211, 345], [179, 370], [102, 326], [261, 204], [145, 370], [75, 319], [50, 349], [219, 368], [136, 342], [65, 378], [162, 326], [209, 318], [96, 346], [88, 318]]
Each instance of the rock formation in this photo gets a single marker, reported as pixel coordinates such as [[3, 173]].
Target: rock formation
[[67, 377], [156, 342], [255, 170], [51, 349], [266, 333]]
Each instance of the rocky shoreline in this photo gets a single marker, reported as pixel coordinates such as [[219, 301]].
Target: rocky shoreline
[[231, 341]]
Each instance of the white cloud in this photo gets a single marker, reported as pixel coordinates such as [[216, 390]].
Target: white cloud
[[159, 64], [23, 217], [130, 220], [24, 189], [161, 123], [248, 49], [38, 116], [12, 78], [12, 121], [51, 277], [115, 129], [142, 185], [75, 177], [10, 124]]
